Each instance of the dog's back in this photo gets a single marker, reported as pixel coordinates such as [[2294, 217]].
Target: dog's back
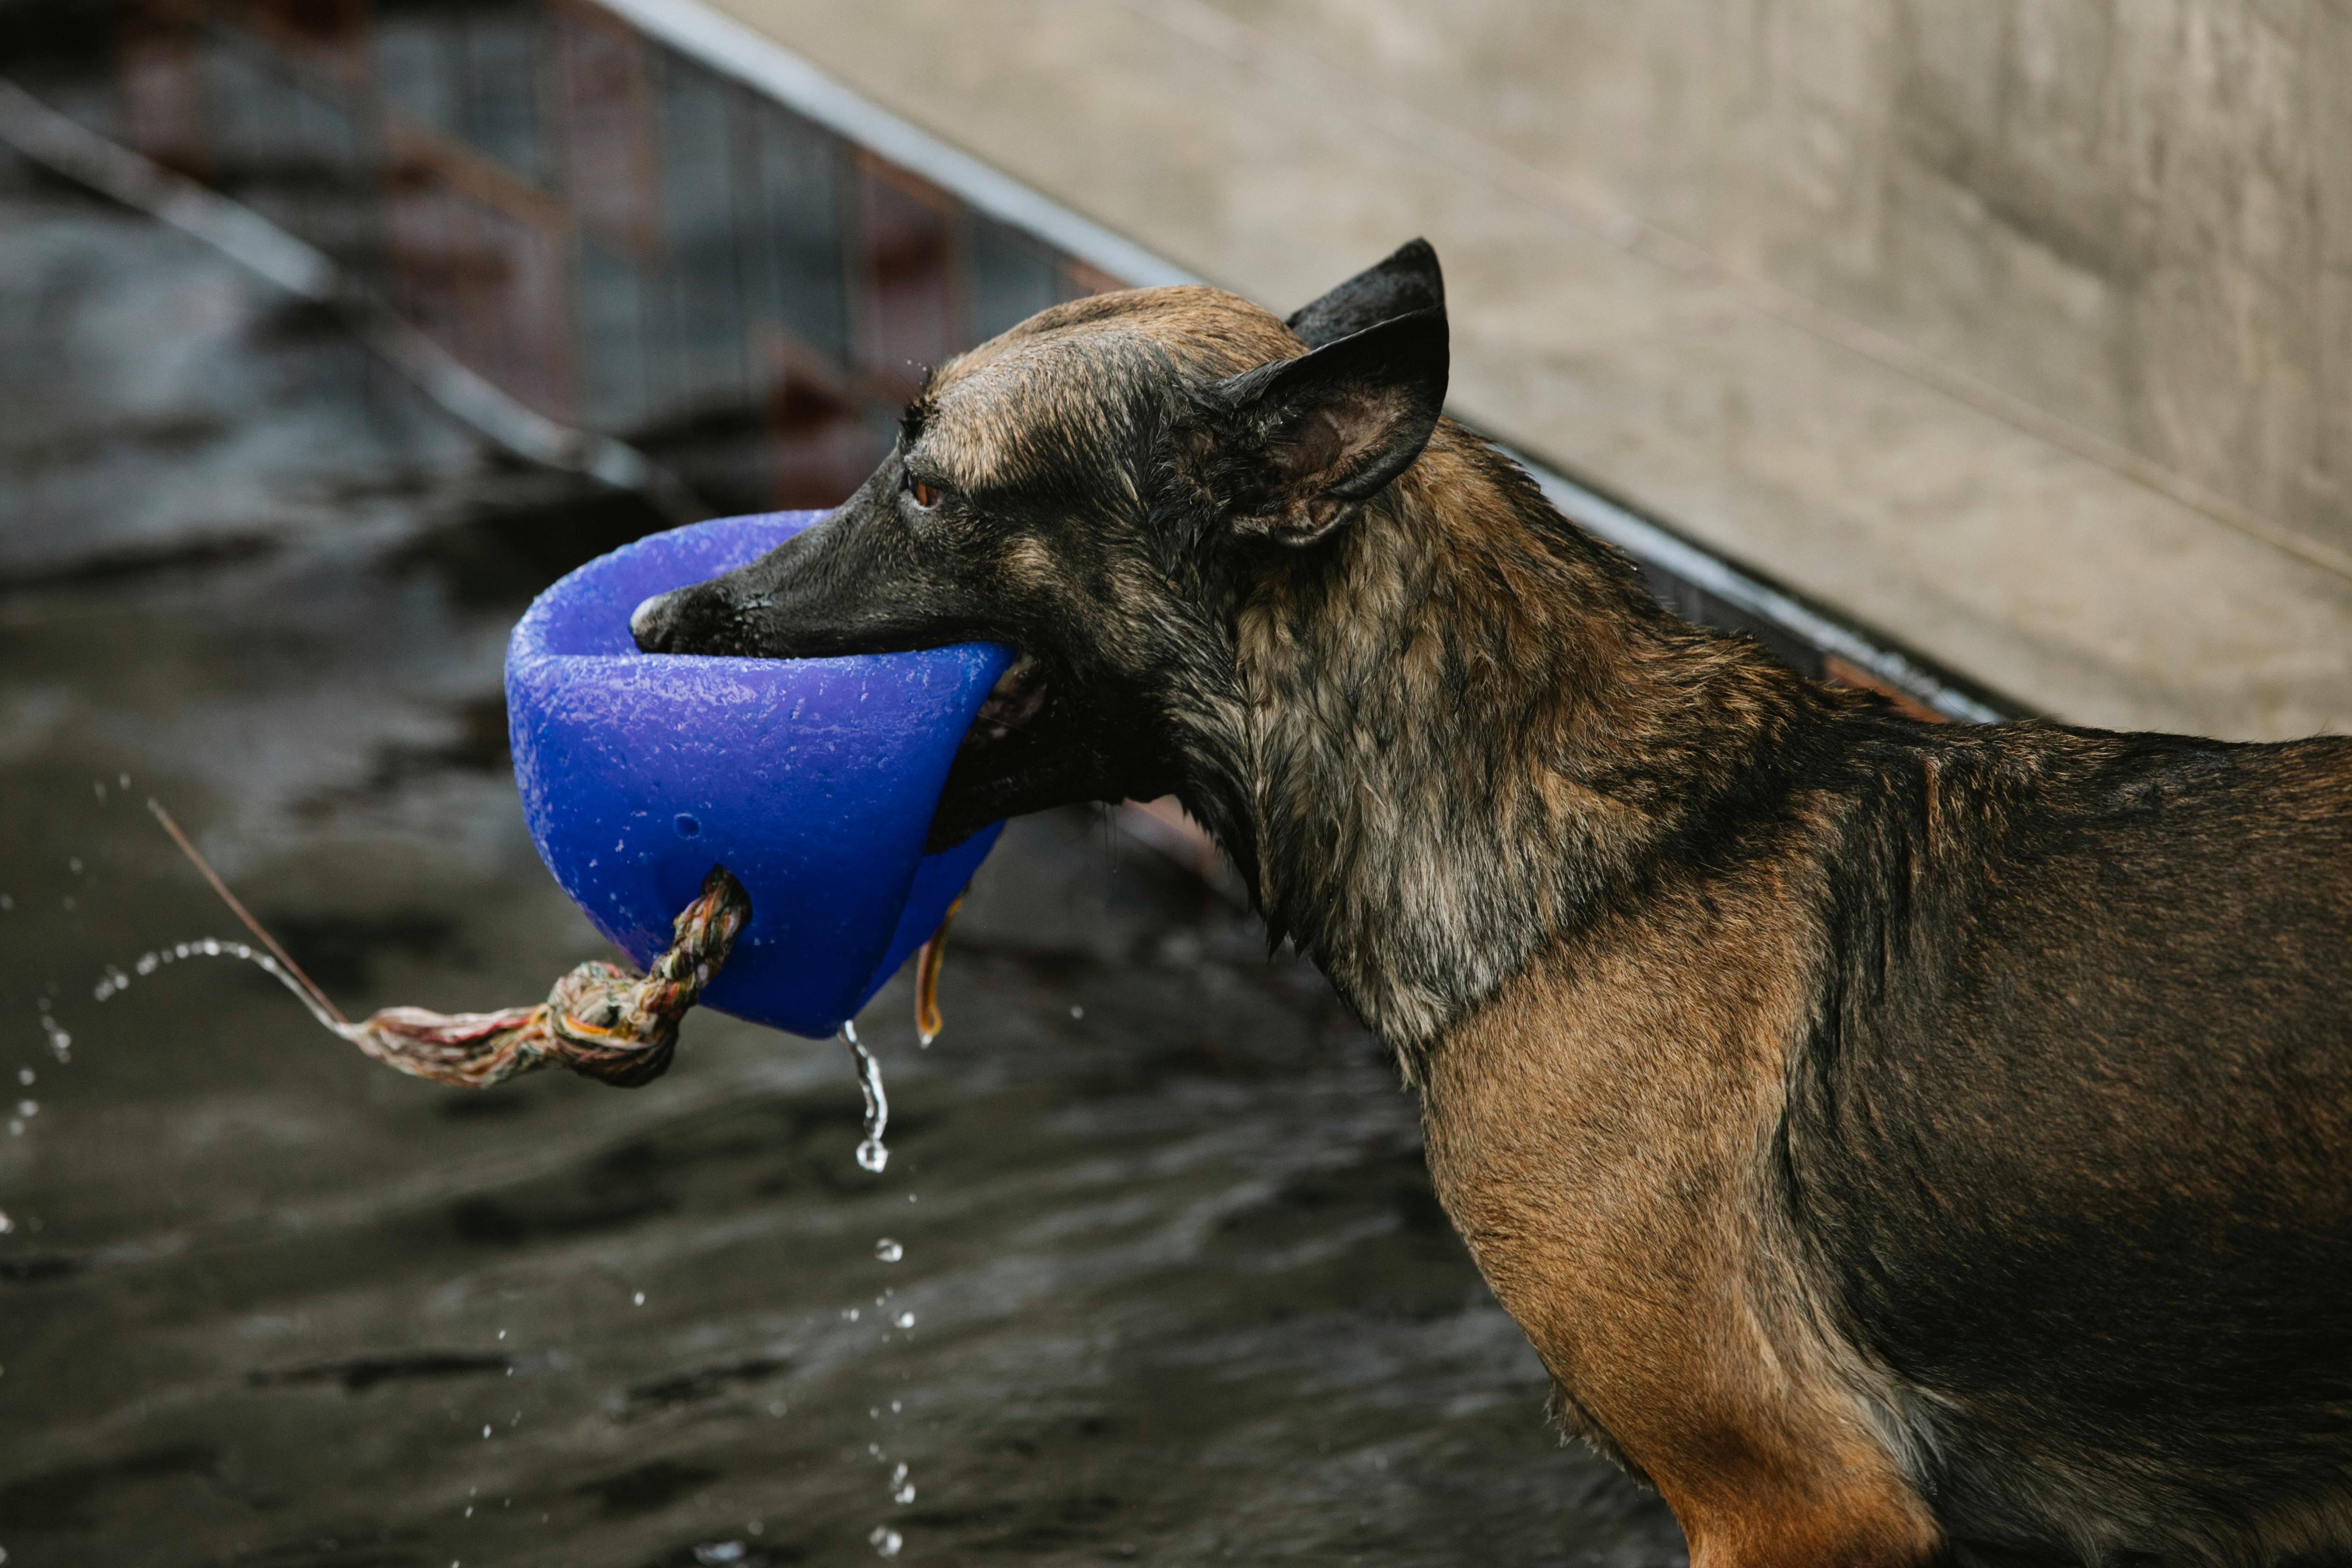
[[2071, 1134]]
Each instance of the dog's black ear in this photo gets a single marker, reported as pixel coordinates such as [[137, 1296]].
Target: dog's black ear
[[1313, 439], [1408, 280]]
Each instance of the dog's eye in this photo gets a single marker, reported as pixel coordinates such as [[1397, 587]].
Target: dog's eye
[[926, 494]]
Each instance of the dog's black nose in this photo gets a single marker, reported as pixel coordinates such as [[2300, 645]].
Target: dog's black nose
[[654, 623]]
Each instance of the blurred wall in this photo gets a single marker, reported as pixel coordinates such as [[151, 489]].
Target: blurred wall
[[2134, 214]]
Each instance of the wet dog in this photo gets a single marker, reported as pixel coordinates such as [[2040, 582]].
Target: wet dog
[[1901, 1144]]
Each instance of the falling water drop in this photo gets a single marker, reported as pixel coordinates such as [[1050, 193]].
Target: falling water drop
[[871, 1154], [888, 1251], [906, 1319], [887, 1541]]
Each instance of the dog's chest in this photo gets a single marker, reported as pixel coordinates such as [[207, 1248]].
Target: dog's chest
[[1599, 1134]]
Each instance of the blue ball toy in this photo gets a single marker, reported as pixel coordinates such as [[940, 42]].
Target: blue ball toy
[[813, 780]]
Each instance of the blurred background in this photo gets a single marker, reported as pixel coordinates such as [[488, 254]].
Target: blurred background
[[1996, 356]]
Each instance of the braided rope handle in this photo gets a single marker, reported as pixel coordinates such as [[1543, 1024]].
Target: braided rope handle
[[600, 1020]]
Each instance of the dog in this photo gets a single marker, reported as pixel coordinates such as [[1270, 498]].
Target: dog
[[1902, 1143]]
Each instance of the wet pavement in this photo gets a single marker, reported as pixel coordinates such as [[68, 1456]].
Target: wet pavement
[[1170, 1284]]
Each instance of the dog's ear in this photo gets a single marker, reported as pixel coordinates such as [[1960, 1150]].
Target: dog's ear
[[1313, 439], [1408, 280]]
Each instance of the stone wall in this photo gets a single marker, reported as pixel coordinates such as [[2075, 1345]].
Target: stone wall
[[2135, 215]]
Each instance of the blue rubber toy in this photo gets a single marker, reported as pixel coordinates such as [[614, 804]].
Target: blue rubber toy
[[813, 780]]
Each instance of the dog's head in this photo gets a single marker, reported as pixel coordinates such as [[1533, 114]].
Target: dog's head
[[1097, 488]]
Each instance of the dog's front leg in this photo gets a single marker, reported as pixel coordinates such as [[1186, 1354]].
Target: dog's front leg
[[1762, 1520], [1753, 1486], [1609, 1190]]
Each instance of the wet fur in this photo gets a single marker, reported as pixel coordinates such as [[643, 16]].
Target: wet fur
[[1901, 1144]]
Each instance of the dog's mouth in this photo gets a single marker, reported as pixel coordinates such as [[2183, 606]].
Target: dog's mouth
[[1042, 738], [1017, 702], [1010, 750]]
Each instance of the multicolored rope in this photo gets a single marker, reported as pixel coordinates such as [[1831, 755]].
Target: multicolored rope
[[600, 1020]]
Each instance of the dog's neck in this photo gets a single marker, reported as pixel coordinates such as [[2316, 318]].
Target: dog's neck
[[1458, 730]]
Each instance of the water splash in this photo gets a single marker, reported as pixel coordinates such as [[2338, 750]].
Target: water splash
[[885, 1540], [871, 1154], [902, 1490], [114, 982], [888, 1251]]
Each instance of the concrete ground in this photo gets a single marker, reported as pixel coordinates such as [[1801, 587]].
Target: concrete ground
[[1276, 147]]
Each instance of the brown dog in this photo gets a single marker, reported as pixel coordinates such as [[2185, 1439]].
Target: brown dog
[[1901, 1144]]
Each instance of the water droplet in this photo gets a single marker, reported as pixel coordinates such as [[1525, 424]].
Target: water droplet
[[713, 1552], [1078, 1012], [905, 1494], [147, 962], [906, 1319], [485, 1430], [7, 902], [871, 1154], [6, 1224], [122, 781], [25, 1076], [639, 1300], [887, 1250], [73, 863], [851, 1314], [887, 1541], [688, 828], [895, 1407], [29, 1109], [98, 788]]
